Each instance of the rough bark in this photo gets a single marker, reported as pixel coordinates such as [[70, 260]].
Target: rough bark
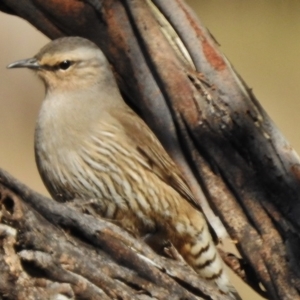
[[49, 249], [233, 156]]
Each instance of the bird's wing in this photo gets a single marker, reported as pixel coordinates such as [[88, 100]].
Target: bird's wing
[[155, 155]]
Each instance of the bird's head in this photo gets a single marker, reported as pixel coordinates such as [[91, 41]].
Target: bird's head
[[68, 63]]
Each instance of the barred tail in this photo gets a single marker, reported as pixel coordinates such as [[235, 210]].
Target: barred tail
[[201, 253]]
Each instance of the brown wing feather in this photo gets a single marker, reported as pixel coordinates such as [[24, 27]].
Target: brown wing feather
[[159, 161], [148, 146]]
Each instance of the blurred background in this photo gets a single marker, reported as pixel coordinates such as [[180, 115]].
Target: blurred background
[[260, 38]]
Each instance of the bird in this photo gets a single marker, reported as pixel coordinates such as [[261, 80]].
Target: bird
[[89, 144]]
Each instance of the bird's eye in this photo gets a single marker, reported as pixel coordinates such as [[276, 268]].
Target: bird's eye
[[64, 65]]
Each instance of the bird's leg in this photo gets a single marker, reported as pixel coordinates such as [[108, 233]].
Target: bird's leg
[[87, 206], [157, 241], [172, 252]]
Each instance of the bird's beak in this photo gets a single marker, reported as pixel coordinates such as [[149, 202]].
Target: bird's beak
[[30, 63]]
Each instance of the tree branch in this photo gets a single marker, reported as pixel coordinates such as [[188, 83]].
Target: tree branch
[[238, 165]]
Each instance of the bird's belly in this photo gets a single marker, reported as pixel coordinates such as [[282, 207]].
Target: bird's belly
[[104, 188]]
